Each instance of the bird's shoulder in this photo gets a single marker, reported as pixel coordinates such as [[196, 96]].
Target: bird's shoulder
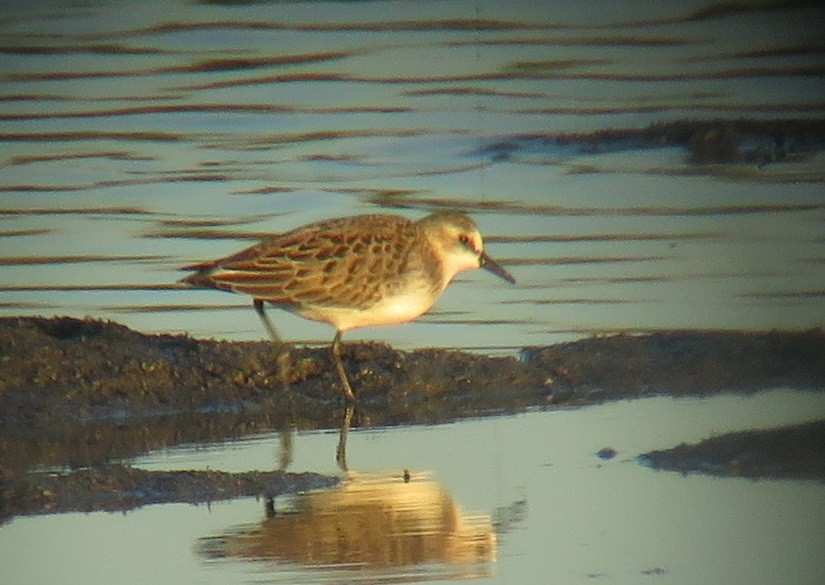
[[334, 238]]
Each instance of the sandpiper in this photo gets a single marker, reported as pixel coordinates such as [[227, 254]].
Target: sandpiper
[[352, 272]]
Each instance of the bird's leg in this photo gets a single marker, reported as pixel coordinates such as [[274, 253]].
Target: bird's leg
[[270, 328], [341, 451], [339, 365], [285, 451], [284, 361]]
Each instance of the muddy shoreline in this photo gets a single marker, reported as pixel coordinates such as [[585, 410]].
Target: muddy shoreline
[[83, 396], [792, 452]]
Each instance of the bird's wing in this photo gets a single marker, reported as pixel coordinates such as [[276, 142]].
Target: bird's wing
[[329, 263]]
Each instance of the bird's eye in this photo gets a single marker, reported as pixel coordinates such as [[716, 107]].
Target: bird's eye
[[468, 242]]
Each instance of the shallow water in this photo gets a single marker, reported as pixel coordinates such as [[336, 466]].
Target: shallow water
[[558, 512]]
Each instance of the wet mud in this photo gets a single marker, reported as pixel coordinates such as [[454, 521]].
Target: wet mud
[[79, 397], [712, 142], [795, 452], [119, 487]]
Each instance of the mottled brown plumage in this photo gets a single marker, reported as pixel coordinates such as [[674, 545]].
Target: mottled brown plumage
[[353, 271]]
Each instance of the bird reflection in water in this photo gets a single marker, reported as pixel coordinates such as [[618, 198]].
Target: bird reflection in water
[[367, 522]]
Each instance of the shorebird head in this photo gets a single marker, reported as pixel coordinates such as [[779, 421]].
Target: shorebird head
[[458, 242]]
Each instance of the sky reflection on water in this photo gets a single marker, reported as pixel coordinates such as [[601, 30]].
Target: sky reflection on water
[[118, 134]]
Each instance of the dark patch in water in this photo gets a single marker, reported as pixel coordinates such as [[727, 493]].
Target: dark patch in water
[[268, 190], [25, 232], [204, 108], [794, 452], [551, 65], [802, 50], [449, 24], [74, 211], [37, 260], [245, 63], [93, 135], [653, 108], [508, 75], [303, 77], [723, 10], [473, 91], [88, 287], [114, 487], [119, 155], [600, 41], [94, 49], [707, 142], [801, 294], [515, 207], [211, 65]]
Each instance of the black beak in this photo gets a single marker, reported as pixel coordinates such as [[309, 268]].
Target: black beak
[[487, 263]]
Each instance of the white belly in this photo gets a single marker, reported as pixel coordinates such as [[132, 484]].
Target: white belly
[[389, 311]]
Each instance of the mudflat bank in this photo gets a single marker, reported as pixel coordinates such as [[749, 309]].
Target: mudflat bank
[[85, 394]]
